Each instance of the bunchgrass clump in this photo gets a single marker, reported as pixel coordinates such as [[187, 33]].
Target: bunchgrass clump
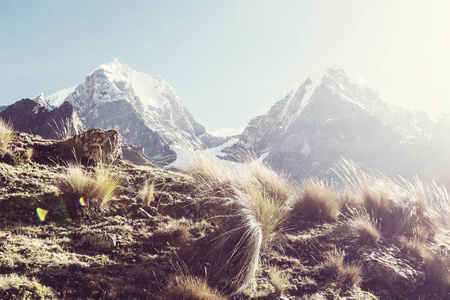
[[363, 225], [249, 202], [95, 187], [8, 281], [318, 201], [397, 206], [147, 193], [346, 276], [279, 280], [190, 288], [6, 134], [415, 247]]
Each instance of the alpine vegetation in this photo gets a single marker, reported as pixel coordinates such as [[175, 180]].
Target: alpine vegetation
[[190, 288], [6, 134], [250, 206], [83, 187]]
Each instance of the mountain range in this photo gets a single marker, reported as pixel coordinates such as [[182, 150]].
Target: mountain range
[[322, 120]]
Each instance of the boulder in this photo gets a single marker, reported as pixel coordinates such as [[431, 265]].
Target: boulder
[[92, 145]]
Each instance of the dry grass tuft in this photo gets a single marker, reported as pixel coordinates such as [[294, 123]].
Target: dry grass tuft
[[363, 225], [8, 281], [318, 202], [279, 280], [415, 247], [250, 208], [347, 276], [6, 134], [95, 187], [397, 206], [147, 193], [190, 288]]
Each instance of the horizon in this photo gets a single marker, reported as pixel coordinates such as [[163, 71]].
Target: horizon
[[220, 56]]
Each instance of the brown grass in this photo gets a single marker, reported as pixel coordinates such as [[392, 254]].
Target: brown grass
[[8, 281], [397, 206], [96, 187], [318, 202], [279, 280], [415, 247], [6, 134], [190, 288], [363, 225], [250, 208], [347, 276], [147, 193]]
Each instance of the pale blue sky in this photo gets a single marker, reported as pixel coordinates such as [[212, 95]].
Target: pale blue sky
[[228, 60]]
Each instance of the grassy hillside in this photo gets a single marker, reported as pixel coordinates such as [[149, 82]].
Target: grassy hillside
[[113, 230]]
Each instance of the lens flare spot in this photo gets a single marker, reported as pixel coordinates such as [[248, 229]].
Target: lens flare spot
[[41, 213], [82, 202]]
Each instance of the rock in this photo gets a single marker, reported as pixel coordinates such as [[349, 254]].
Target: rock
[[387, 267], [92, 145], [85, 148], [135, 155]]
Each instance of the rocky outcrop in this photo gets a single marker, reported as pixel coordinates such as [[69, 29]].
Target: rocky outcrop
[[86, 148], [388, 269], [93, 145], [34, 117]]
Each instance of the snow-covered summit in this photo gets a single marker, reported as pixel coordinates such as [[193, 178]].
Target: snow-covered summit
[[328, 117], [114, 96]]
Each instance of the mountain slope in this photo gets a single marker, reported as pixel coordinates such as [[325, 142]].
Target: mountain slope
[[328, 117], [144, 108], [33, 116]]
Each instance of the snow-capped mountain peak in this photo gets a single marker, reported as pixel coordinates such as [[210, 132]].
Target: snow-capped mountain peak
[[328, 117], [114, 96]]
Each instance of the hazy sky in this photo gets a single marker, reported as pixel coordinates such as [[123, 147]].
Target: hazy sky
[[229, 60]]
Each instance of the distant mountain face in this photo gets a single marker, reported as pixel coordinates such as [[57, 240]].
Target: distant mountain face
[[143, 108], [328, 117], [33, 116]]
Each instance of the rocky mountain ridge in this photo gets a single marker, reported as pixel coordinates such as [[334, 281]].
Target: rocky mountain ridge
[[328, 117]]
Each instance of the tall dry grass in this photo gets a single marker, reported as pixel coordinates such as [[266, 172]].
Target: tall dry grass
[[347, 276], [318, 201], [147, 193], [249, 202], [96, 186], [398, 206], [6, 134], [363, 225]]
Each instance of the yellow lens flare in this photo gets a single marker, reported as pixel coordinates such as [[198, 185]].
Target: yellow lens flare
[[41, 213], [82, 202]]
